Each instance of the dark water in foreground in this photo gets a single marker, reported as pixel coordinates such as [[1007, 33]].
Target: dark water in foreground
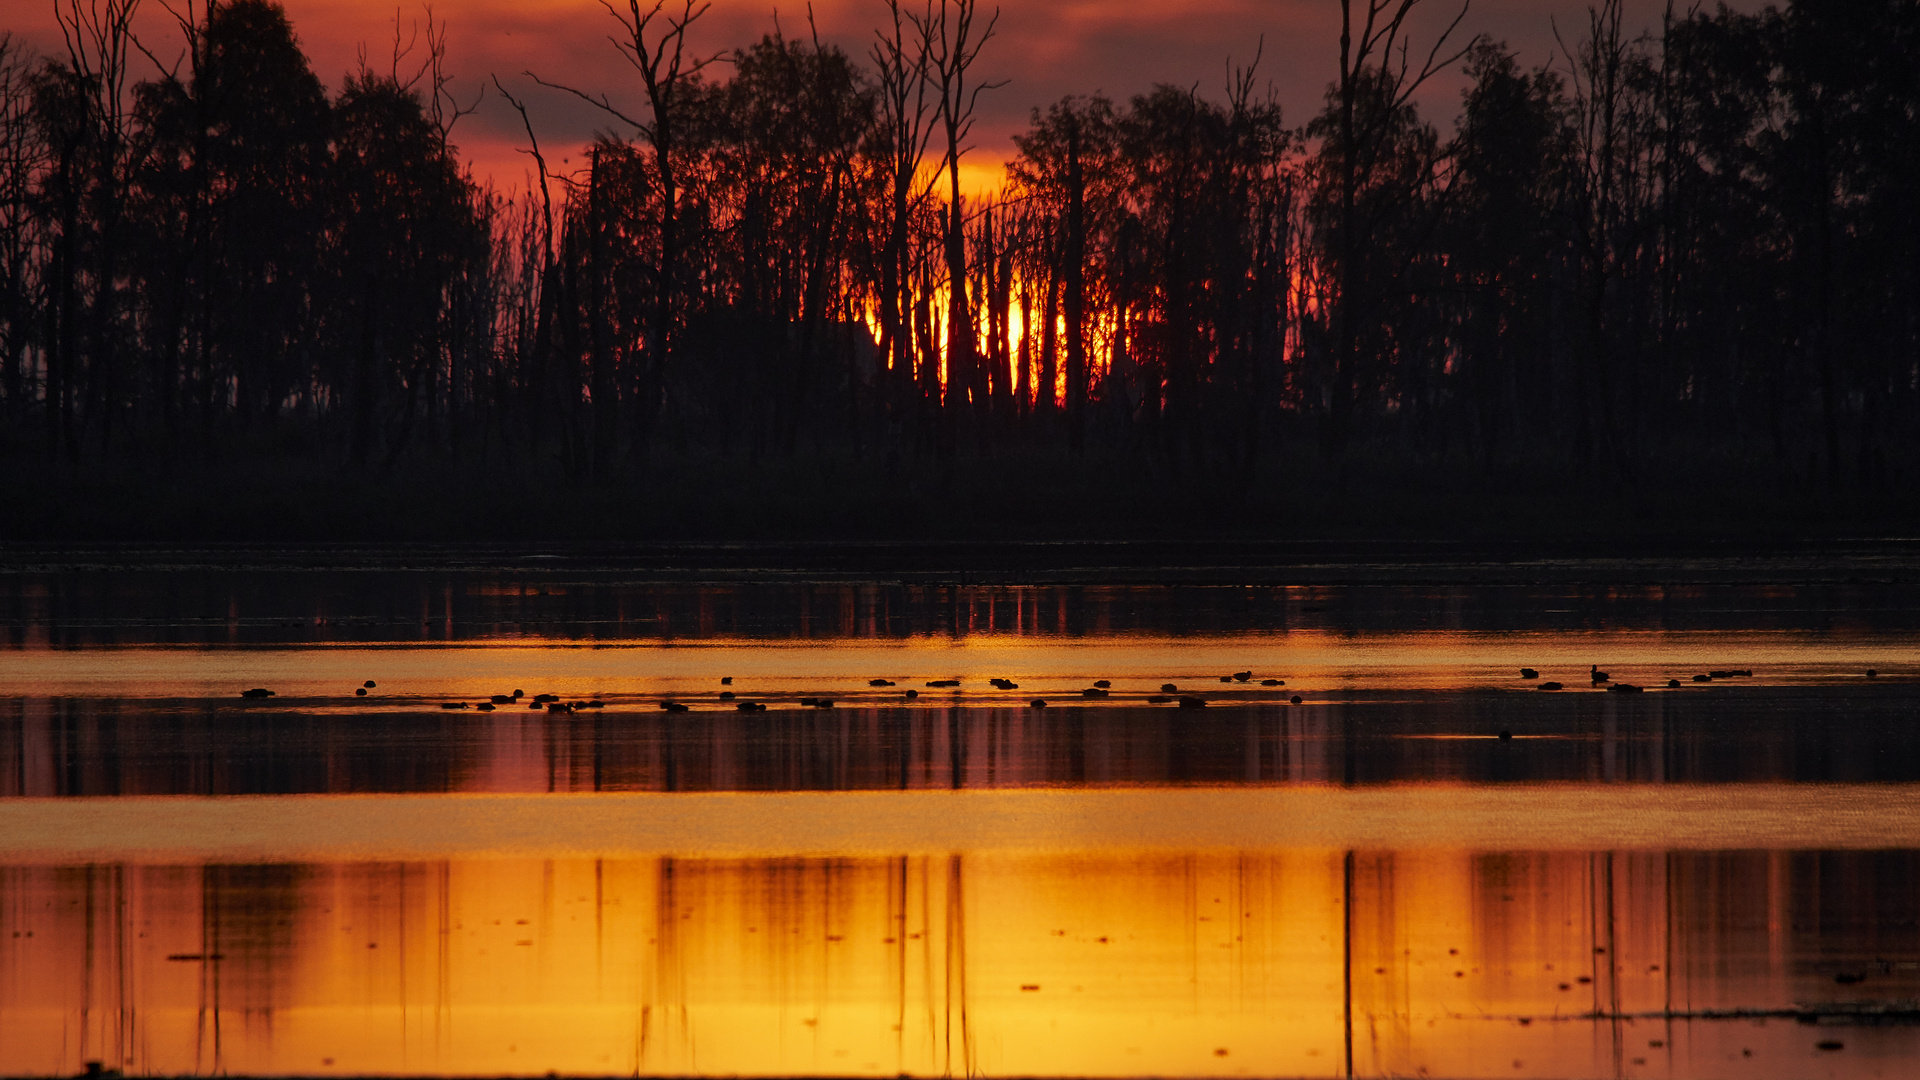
[[1425, 866]]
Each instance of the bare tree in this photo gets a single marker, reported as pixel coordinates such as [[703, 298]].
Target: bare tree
[[956, 38], [99, 44], [20, 159], [908, 129], [654, 41], [1375, 61]]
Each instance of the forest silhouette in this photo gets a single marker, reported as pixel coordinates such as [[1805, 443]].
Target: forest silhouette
[[1669, 282]]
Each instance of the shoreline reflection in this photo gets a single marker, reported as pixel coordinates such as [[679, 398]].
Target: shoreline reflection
[[90, 747]]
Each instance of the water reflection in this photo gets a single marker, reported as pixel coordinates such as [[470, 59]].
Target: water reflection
[[1267, 963], [85, 746], [1423, 867]]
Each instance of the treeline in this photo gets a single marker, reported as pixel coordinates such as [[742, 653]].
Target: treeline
[[1697, 242]]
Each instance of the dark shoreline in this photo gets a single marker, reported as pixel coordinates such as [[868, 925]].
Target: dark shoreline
[[1657, 561]]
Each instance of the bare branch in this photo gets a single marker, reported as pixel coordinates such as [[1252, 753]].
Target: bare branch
[[600, 102]]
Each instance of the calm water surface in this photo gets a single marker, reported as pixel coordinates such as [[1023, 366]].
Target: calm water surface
[[1425, 866]]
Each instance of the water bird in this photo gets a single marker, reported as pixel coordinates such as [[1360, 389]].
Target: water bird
[[1295, 699], [502, 699], [1004, 684], [257, 692], [369, 684], [544, 698], [1226, 678], [726, 695], [1673, 684], [944, 682], [879, 682], [1190, 702], [485, 706], [726, 680], [1158, 699], [558, 707], [672, 706], [1093, 692], [1169, 688], [1598, 675], [913, 693], [1623, 688], [1242, 676], [360, 691], [1037, 703], [1103, 683], [751, 706], [1506, 736], [1731, 673], [453, 704], [596, 703], [1273, 682], [1872, 674], [1529, 673], [535, 706], [1703, 678]]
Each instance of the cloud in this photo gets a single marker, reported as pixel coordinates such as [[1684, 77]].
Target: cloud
[[1045, 49]]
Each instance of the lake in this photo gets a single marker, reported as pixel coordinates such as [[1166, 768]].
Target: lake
[[1401, 858]]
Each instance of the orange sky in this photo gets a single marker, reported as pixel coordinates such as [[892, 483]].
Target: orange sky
[[1045, 48]]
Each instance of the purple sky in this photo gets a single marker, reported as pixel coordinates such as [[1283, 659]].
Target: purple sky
[[1045, 48]]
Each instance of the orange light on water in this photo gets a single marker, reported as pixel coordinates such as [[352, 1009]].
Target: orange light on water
[[1093, 962]]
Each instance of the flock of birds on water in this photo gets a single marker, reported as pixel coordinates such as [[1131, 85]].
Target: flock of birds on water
[[1169, 693]]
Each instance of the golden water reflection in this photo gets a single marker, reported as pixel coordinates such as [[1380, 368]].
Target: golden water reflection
[[1427, 962]]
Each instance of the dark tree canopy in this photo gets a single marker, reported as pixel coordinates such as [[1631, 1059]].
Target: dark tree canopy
[[1686, 251]]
